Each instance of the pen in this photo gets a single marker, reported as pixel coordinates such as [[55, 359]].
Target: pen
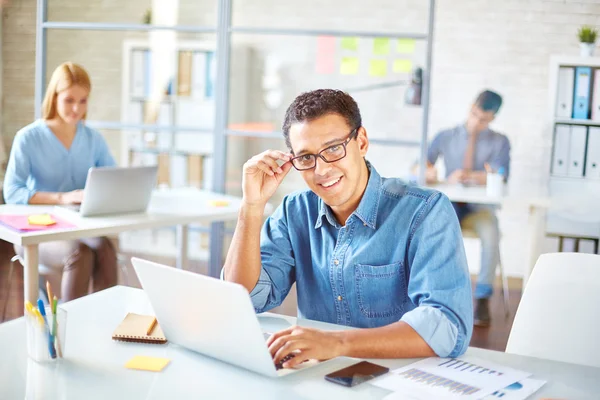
[[54, 326], [42, 310], [54, 323], [151, 327]]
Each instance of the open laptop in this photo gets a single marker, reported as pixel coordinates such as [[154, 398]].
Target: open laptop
[[213, 317], [116, 190]]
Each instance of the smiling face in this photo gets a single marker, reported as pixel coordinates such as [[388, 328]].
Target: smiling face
[[341, 183], [71, 104]]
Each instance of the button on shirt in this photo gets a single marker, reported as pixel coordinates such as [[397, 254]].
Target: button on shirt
[[491, 147], [39, 162], [399, 256]]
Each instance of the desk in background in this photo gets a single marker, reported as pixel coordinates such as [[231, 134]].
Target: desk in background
[[536, 207], [94, 364], [174, 207]]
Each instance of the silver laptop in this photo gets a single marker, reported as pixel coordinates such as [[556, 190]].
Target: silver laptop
[[213, 317], [117, 190]]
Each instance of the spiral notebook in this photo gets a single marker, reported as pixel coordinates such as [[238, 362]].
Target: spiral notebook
[[134, 328]]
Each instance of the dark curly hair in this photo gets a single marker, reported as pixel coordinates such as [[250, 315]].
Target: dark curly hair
[[314, 104]]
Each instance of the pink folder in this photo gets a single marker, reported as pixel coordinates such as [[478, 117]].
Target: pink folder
[[20, 223]]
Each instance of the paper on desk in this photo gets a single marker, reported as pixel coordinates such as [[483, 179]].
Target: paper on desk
[[440, 378], [144, 363], [518, 390]]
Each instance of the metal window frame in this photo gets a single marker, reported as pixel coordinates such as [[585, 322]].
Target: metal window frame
[[224, 31]]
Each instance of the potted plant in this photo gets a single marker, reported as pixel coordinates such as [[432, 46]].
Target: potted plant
[[587, 38]]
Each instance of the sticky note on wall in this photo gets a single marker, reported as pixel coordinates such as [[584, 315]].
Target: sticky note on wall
[[378, 68], [381, 46], [349, 66], [349, 43], [405, 46], [402, 66]]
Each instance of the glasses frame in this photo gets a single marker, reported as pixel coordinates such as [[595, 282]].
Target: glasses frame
[[352, 135]]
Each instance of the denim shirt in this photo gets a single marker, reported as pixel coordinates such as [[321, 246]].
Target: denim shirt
[[400, 256]]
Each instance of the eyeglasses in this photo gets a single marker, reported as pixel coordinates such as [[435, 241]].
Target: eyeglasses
[[330, 154]]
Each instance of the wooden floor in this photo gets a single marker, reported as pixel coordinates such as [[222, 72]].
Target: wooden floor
[[494, 337]]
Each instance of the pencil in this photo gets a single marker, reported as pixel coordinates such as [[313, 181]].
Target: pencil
[[151, 327], [49, 290]]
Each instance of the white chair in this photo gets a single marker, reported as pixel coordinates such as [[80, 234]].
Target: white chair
[[471, 234], [559, 314]]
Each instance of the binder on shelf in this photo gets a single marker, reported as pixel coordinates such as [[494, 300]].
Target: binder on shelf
[[165, 118], [564, 95], [184, 73], [178, 170], [147, 73], [577, 151], [138, 75], [198, 88], [596, 96], [136, 112], [163, 169], [581, 99], [211, 73], [592, 165], [560, 156]]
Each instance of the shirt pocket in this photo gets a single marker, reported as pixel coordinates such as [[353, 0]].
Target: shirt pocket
[[380, 289]]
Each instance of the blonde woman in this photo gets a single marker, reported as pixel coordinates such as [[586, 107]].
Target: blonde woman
[[48, 164]]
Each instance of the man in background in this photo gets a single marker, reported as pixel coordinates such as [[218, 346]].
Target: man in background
[[469, 151]]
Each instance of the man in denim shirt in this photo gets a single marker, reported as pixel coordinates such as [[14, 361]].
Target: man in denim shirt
[[365, 251]]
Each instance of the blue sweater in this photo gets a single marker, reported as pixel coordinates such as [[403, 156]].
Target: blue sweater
[[39, 162]]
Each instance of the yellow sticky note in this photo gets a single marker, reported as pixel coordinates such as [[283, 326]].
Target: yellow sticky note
[[219, 203], [381, 46], [40, 219], [349, 66], [402, 66], [378, 68], [155, 364], [405, 46], [349, 43]]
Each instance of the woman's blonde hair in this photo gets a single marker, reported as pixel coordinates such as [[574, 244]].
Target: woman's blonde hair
[[64, 76]]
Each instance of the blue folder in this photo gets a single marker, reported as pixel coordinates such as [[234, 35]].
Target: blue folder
[[581, 96]]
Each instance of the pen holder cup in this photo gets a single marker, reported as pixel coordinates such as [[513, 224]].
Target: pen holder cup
[[495, 185], [46, 344]]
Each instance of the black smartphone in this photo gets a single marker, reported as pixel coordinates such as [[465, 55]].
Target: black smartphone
[[357, 373]]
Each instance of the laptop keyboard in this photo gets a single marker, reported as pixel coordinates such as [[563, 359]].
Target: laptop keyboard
[[279, 365]]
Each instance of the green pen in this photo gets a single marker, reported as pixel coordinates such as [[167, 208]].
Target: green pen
[[54, 303]]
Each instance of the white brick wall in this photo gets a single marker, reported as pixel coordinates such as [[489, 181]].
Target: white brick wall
[[502, 45]]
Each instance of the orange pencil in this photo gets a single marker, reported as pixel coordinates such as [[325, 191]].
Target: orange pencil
[[49, 290], [151, 327]]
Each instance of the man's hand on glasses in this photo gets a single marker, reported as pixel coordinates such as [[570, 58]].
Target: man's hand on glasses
[[263, 174]]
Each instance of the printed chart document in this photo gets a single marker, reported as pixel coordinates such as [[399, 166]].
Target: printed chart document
[[518, 390], [451, 378]]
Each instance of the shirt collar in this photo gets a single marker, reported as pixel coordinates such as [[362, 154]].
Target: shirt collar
[[367, 208]]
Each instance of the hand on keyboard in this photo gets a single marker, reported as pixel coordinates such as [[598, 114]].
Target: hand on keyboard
[[279, 365]]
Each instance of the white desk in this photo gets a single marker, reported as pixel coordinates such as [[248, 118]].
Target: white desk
[[536, 206], [94, 364], [178, 207]]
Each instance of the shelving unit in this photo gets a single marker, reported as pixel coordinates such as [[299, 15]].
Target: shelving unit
[[574, 183]]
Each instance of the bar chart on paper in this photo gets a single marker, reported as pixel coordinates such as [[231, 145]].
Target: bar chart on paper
[[464, 378]]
